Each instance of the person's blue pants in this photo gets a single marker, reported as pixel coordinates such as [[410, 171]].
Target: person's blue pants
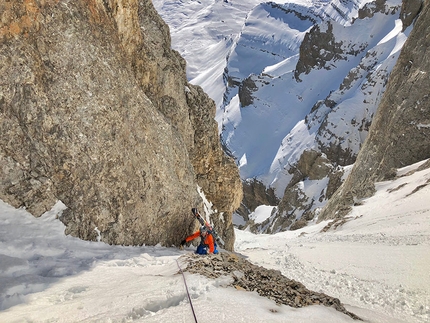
[[202, 250]]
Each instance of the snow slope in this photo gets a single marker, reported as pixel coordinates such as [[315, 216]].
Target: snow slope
[[203, 32], [379, 259], [48, 277], [376, 263]]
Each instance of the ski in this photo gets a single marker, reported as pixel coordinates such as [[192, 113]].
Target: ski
[[211, 230]]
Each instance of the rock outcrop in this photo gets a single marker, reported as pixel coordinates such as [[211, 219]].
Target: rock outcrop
[[400, 132], [410, 10], [96, 111], [266, 282], [296, 208], [255, 193], [317, 49]]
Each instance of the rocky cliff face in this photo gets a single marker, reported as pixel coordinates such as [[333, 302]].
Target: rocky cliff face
[[95, 111], [400, 131]]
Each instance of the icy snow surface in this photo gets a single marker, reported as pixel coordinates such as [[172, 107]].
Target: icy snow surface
[[377, 264]]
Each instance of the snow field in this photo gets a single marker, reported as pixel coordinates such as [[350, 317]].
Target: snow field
[[376, 263], [48, 277], [378, 260]]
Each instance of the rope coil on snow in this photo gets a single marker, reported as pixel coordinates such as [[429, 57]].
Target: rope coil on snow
[[188, 293]]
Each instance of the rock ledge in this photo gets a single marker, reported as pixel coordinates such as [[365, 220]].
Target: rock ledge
[[266, 282]]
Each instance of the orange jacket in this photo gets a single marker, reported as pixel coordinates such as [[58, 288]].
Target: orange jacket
[[209, 240]]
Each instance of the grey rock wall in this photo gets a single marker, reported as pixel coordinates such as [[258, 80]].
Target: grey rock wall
[[95, 111]]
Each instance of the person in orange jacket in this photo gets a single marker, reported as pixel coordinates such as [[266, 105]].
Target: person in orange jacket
[[207, 243]]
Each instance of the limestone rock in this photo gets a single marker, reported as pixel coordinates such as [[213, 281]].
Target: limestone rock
[[255, 193], [410, 10], [245, 91], [369, 9], [296, 208], [318, 48], [95, 111]]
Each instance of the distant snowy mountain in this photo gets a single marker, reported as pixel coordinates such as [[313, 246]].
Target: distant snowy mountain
[[288, 78]]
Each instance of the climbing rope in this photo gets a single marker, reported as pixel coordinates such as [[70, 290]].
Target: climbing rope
[[188, 293]]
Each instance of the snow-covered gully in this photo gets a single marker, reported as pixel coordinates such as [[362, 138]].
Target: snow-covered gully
[[376, 264]]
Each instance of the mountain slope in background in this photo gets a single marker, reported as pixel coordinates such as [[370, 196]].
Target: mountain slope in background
[[301, 82], [400, 132]]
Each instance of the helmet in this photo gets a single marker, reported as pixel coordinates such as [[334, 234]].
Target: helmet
[[203, 229]]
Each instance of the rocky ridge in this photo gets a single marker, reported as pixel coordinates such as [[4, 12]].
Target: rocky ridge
[[266, 282]]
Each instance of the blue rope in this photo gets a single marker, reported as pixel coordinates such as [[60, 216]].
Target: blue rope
[[188, 293]]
